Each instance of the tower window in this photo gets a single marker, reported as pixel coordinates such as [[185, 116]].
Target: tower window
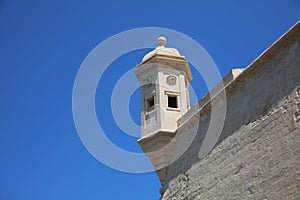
[[172, 101], [150, 104]]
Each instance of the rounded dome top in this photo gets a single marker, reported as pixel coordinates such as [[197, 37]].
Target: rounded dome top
[[161, 50]]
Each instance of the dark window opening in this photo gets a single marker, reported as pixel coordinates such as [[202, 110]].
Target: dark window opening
[[150, 104], [172, 102]]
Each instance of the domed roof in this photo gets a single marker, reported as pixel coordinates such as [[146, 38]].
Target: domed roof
[[162, 50]]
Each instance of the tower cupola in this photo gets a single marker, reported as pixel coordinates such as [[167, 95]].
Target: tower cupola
[[164, 76]]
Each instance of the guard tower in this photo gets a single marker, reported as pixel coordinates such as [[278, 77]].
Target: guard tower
[[164, 76]]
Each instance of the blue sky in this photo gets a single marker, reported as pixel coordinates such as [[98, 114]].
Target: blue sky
[[42, 45]]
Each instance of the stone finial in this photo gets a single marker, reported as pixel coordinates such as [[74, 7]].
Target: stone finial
[[162, 50], [161, 41]]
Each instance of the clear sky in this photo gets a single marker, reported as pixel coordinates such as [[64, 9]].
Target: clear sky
[[42, 45]]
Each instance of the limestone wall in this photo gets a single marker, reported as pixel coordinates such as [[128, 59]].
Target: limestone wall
[[258, 153]]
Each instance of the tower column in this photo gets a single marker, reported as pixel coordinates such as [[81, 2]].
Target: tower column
[[164, 76]]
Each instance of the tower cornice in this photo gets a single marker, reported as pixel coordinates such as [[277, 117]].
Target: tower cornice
[[178, 63]]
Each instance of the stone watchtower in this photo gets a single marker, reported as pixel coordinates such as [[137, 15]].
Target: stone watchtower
[[164, 76]]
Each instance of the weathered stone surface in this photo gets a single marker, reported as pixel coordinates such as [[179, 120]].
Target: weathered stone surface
[[258, 154]]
